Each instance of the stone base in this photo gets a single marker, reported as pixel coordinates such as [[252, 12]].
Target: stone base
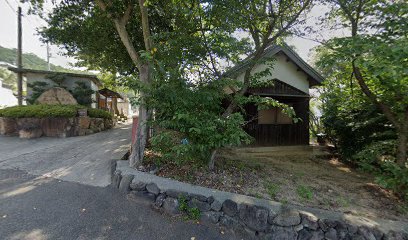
[[249, 217], [53, 127], [8, 126], [31, 133]]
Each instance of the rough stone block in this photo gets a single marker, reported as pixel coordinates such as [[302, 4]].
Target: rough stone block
[[8, 126], [124, 185], [28, 123], [272, 214], [177, 194], [326, 224], [30, 133], [281, 233], [229, 222], [210, 217], [152, 188], [366, 233], [56, 96], [84, 122], [392, 235], [210, 199], [202, 206], [143, 196], [199, 197], [216, 205], [309, 221], [171, 205], [55, 127], [138, 186], [160, 200], [287, 217], [253, 217], [330, 234], [117, 177], [304, 234], [230, 207]]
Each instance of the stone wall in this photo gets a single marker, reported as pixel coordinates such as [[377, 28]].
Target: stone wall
[[53, 127], [246, 219]]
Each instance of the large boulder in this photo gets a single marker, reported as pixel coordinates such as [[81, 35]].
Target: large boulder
[[56, 96]]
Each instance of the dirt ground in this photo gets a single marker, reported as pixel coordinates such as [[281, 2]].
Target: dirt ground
[[306, 176]]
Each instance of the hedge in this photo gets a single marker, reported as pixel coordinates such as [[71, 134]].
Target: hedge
[[44, 111]]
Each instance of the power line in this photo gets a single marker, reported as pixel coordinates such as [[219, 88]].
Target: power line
[[12, 8]]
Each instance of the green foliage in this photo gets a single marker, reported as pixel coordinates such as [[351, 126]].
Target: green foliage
[[82, 93], [304, 192], [39, 111], [194, 112], [191, 213], [99, 113], [365, 131], [379, 158], [37, 88], [272, 189], [50, 111], [30, 60]]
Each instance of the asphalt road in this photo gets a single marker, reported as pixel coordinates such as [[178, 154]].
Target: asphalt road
[[45, 208], [58, 188], [84, 159]]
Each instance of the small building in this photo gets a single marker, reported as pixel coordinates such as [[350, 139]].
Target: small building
[[46, 79], [292, 78]]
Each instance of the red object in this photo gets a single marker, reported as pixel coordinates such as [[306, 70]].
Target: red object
[[134, 128]]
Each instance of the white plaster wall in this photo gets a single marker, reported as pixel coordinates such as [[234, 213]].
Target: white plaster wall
[[283, 71], [7, 99]]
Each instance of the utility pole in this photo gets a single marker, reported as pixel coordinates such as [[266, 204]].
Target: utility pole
[[19, 59], [48, 57]]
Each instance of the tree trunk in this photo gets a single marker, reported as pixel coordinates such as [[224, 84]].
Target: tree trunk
[[211, 163], [138, 148], [402, 144], [115, 106]]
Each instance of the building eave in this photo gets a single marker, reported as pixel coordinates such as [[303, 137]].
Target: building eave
[[314, 77]]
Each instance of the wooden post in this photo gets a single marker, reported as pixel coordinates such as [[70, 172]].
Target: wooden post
[[19, 60]]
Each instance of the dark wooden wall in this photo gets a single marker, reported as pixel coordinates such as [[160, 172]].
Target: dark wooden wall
[[280, 134]]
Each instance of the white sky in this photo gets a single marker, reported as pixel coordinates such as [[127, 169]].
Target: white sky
[[32, 43]]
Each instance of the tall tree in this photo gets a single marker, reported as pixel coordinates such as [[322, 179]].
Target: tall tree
[[171, 37], [377, 53], [266, 21]]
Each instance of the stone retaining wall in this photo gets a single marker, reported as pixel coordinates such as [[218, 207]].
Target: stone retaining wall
[[246, 219], [53, 127]]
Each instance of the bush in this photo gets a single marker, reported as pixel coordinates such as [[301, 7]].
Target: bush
[[99, 113], [50, 111], [82, 93], [379, 158], [192, 118]]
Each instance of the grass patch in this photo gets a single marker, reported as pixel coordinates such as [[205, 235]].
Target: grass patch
[[304, 192], [50, 111], [272, 189], [190, 213]]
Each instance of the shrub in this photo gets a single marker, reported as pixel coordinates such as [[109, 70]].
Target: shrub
[[50, 111], [99, 113], [82, 93], [379, 158]]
